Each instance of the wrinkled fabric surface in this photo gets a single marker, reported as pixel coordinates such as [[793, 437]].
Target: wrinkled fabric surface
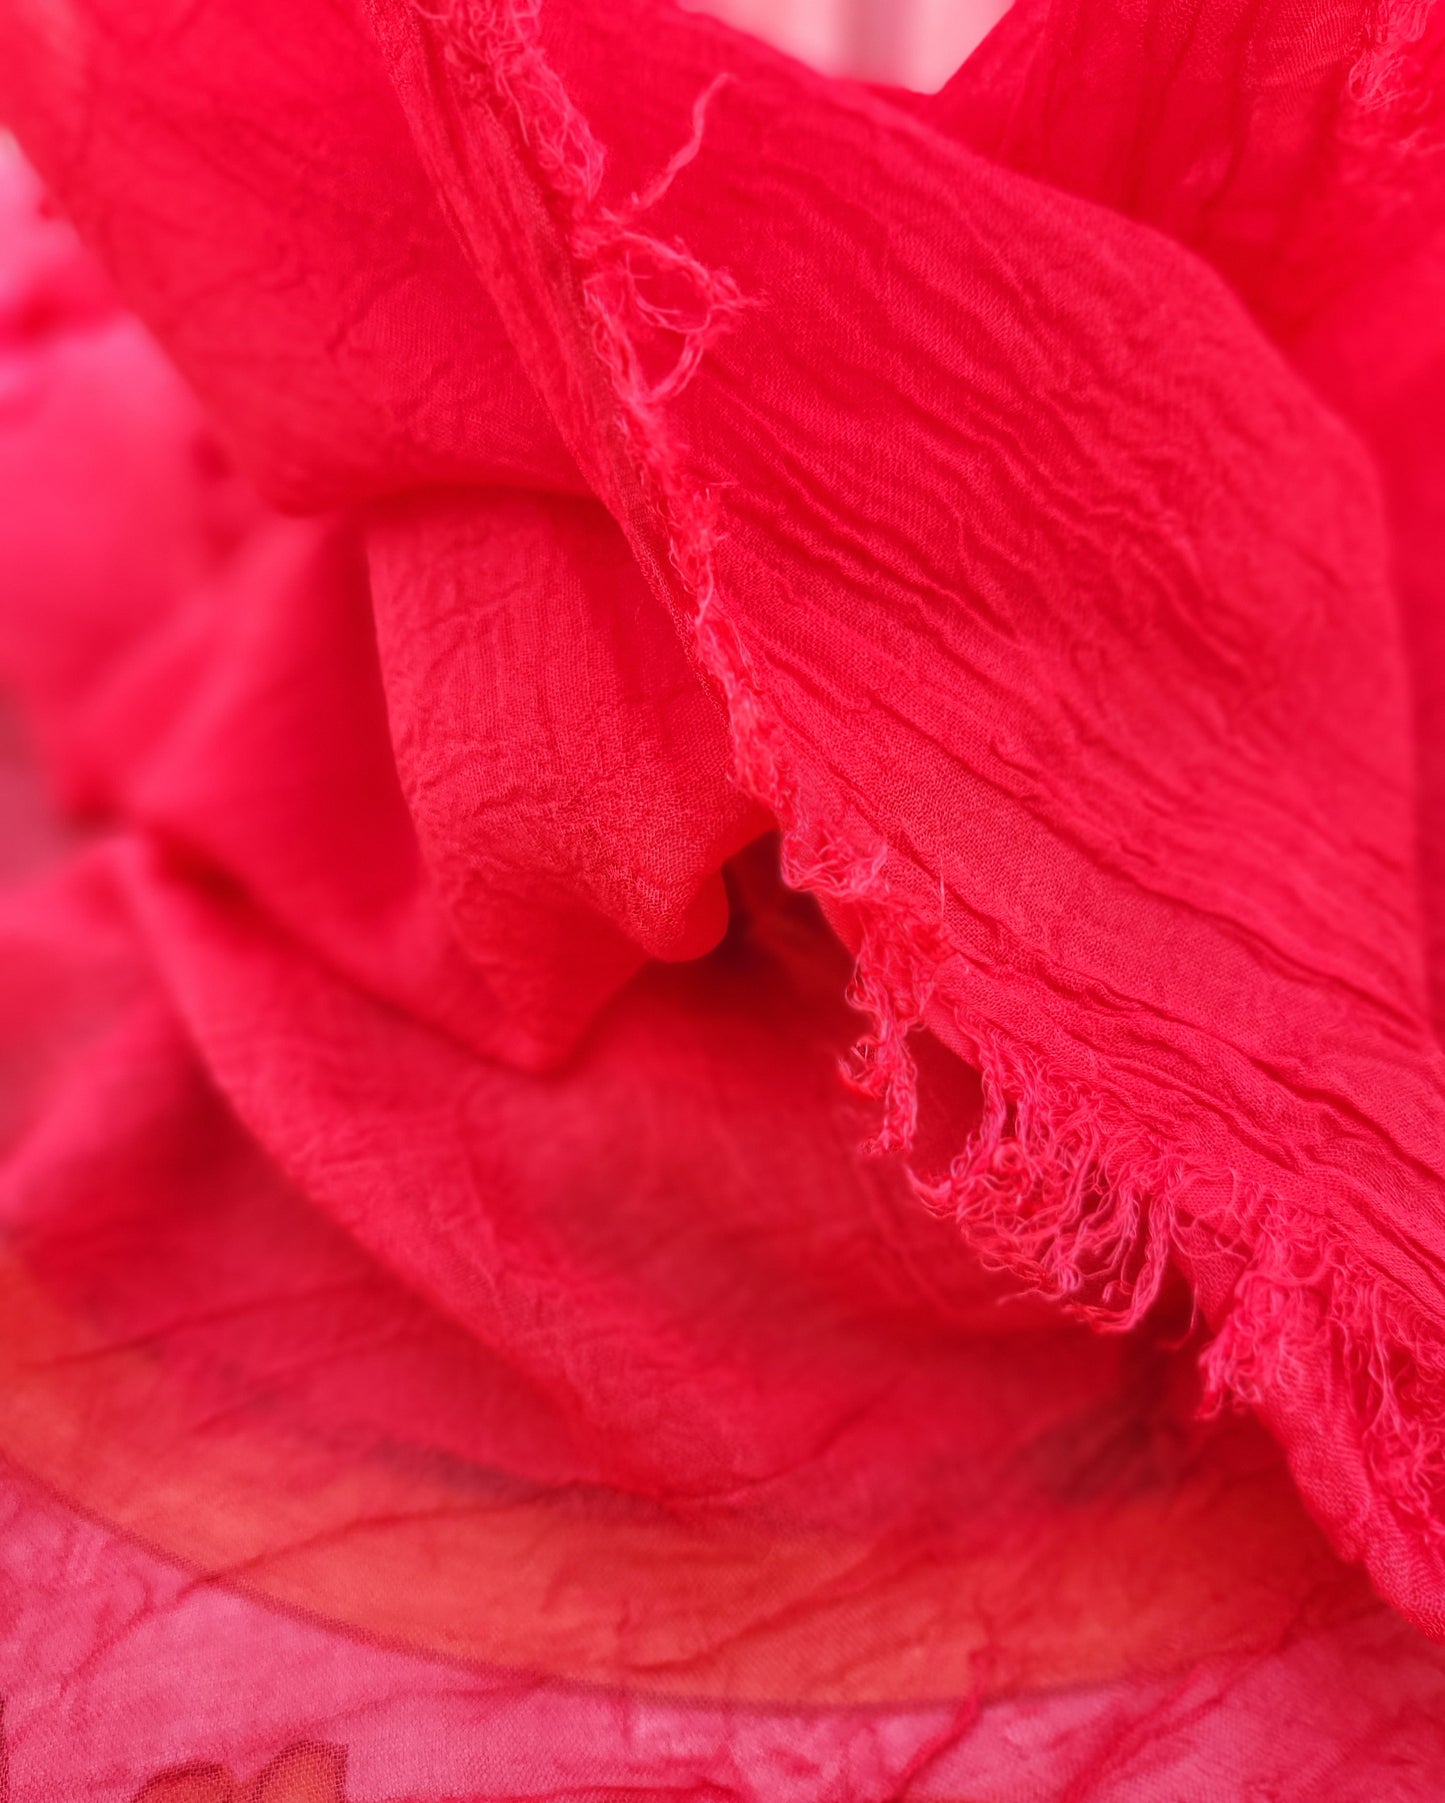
[[724, 906]]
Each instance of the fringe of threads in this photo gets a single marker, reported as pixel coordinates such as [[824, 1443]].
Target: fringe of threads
[[1381, 79], [1062, 1189]]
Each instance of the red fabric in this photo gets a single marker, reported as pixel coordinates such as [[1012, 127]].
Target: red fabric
[[663, 574]]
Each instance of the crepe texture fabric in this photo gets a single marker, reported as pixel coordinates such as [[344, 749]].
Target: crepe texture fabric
[[724, 918]]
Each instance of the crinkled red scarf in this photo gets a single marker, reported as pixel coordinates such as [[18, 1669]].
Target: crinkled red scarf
[[716, 1047]]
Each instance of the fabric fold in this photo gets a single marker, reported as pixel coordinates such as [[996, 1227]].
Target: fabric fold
[[340, 344], [721, 1081], [1193, 977]]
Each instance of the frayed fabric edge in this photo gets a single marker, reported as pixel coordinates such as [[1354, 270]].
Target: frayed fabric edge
[[1071, 1196], [1380, 79], [1059, 1188]]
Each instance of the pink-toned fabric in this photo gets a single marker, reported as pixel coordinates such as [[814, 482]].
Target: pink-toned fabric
[[718, 977]]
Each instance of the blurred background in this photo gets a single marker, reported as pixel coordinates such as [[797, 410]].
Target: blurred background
[[909, 43]]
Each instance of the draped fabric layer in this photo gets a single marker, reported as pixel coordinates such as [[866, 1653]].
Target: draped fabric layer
[[721, 958]]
